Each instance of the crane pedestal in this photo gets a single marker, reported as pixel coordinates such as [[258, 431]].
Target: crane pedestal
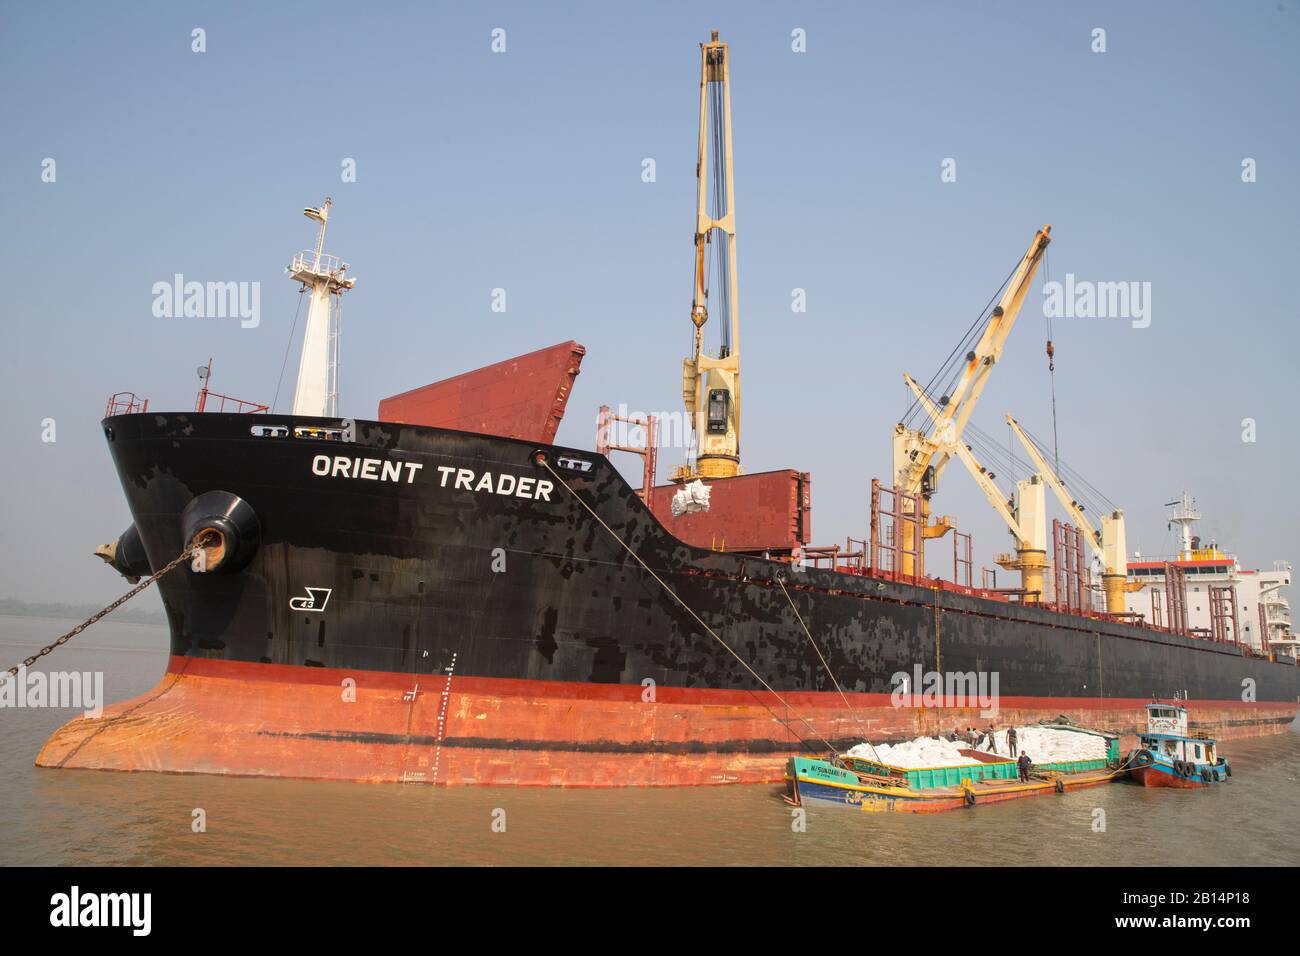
[[1032, 565], [1115, 586], [717, 466]]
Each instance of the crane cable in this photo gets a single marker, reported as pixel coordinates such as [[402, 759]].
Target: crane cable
[[289, 345], [722, 245], [972, 335], [990, 450], [1076, 480], [544, 461], [1051, 361]]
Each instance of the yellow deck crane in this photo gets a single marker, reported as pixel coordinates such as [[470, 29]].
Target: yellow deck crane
[[921, 454], [711, 383], [1110, 544], [1025, 513]]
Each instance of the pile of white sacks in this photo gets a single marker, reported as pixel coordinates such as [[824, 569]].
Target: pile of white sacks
[[1043, 744], [1049, 744], [915, 754]]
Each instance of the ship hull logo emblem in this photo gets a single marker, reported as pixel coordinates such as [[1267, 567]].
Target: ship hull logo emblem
[[314, 600]]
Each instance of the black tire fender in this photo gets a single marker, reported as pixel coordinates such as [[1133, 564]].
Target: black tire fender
[[227, 528], [129, 556]]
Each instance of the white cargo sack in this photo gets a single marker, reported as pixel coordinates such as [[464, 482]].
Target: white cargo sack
[[916, 754], [691, 499], [1043, 744]]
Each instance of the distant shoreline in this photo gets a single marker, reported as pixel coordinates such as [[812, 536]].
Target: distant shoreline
[[17, 608]]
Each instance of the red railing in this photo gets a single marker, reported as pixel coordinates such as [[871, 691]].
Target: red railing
[[125, 403], [1223, 614], [238, 404], [896, 535], [893, 514], [649, 452], [962, 564], [1071, 586]]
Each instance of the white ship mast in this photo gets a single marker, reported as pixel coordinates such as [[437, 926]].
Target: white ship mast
[[317, 393], [1184, 514]]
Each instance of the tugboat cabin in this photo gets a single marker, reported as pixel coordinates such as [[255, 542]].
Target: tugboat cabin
[[1170, 756]]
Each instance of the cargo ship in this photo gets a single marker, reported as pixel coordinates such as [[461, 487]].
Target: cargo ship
[[429, 604], [442, 594]]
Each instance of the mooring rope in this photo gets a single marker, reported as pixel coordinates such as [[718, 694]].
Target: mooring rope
[[545, 463], [827, 666]]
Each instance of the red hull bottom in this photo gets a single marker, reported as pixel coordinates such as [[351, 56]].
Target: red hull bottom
[[221, 717], [1150, 777]]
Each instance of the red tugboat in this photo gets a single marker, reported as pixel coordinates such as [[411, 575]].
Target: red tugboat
[[1169, 757]]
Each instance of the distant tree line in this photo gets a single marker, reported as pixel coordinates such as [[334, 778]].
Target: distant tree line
[[129, 615]]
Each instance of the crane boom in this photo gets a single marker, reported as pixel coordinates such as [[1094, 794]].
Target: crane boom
[[1058, 488], [977, 471], [1026, 519], [918, 454], [1109, 544], [711, 383]]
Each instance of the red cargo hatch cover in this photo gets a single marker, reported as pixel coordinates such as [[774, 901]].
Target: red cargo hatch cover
[[522, 397], [767, 511]]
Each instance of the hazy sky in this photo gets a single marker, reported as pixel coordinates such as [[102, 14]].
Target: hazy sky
[[522, 170]]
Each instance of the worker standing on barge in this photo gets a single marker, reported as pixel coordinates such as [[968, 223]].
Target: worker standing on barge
[[1024, 764]]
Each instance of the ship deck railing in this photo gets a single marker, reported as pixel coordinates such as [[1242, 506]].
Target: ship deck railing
[[309, 261], [848, 562]]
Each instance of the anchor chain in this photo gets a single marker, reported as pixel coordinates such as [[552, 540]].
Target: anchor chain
[[181, 558]]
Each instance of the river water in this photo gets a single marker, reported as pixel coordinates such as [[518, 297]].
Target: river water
[[58, 817]]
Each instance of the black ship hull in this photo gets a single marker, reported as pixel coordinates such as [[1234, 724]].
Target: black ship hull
[[426, 604]]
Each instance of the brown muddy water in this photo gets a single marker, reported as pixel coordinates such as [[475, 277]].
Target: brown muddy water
[[79, 817]]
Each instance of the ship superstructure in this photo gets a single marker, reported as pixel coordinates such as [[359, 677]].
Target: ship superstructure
[[1221, 600]]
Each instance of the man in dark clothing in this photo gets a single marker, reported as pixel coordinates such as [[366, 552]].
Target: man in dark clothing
[[1024, 763], [1011, 740]]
